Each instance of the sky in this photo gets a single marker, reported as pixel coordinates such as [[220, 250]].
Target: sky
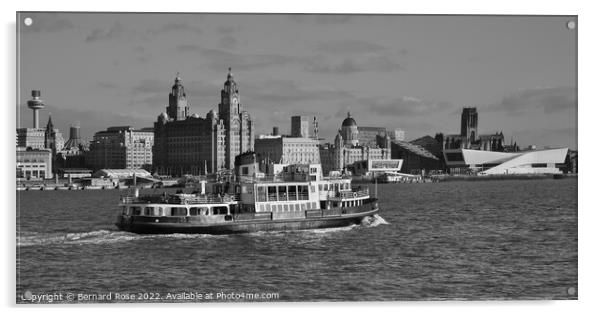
[[396, 71]]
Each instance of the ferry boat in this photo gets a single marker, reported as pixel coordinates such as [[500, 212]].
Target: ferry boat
[[298, 197]]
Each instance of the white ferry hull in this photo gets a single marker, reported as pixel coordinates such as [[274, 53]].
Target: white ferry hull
[[239, 224]]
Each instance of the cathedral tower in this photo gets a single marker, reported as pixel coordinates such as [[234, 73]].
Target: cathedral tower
[[469, 124]]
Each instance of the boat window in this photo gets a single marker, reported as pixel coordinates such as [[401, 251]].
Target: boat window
[[272, 193], [261, 197], [282, 193], [148, 210], [292, 192], [195, 211], [286, 208], [308, 205], [315, 205], [274, 208], [261, 207], [297, 207], [178, 211], [166, 211], [220, 210], [136, 210], [156, 211], [303, 194], [280, 207], [303, 207]]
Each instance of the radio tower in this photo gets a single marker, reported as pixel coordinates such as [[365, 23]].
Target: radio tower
[[35, 104]]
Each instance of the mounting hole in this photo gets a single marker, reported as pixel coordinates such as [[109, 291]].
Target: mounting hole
[[28, 21], [571, 291], [571, 25]]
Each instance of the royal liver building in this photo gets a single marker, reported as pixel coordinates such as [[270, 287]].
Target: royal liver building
[[189, 144]]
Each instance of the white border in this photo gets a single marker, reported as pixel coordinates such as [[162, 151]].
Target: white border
[[589, 114]]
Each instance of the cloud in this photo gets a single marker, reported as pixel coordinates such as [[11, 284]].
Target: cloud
[[175, 27], [228, 41], [229, 29], [45, 22], [348, 46], [353, 65], [115, 31], [284, 92], [219, 59], [151, 86], [107, 85], [550, 100], [405, 106], [188, 48]]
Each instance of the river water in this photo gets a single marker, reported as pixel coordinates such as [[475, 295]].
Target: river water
[[513, 239]]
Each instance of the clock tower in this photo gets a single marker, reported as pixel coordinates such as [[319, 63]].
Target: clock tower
[[238, 124], [178, 103], [229, 105]]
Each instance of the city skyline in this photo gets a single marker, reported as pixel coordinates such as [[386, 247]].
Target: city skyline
[[410, 72]]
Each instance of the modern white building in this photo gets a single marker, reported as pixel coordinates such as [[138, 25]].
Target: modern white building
[[491, 162]]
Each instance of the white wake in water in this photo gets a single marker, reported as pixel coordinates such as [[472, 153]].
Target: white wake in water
[[373, 221], [94, 237]]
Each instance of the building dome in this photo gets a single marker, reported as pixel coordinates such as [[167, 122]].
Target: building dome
[[349, 121]]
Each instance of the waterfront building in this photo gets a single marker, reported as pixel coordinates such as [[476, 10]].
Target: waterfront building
[[368, 135], [53, 139], [73, 173], [75, 140], [571, 162], [469, 137], [126, 173], [121, 147], [424, 154], [374, 167], [34, 144], [33, 138], [397, 134], [547, 161], [347, 149], [190, 144], [416, 158], [36, 137], [287, 150], [73, 153], [34, 163], [300, 126]]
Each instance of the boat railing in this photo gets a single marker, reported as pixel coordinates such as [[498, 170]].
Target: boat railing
[[353, 194], [181, 199], [274, 197]]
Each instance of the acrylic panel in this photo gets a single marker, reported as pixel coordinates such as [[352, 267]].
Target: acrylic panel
[[196, 157]]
